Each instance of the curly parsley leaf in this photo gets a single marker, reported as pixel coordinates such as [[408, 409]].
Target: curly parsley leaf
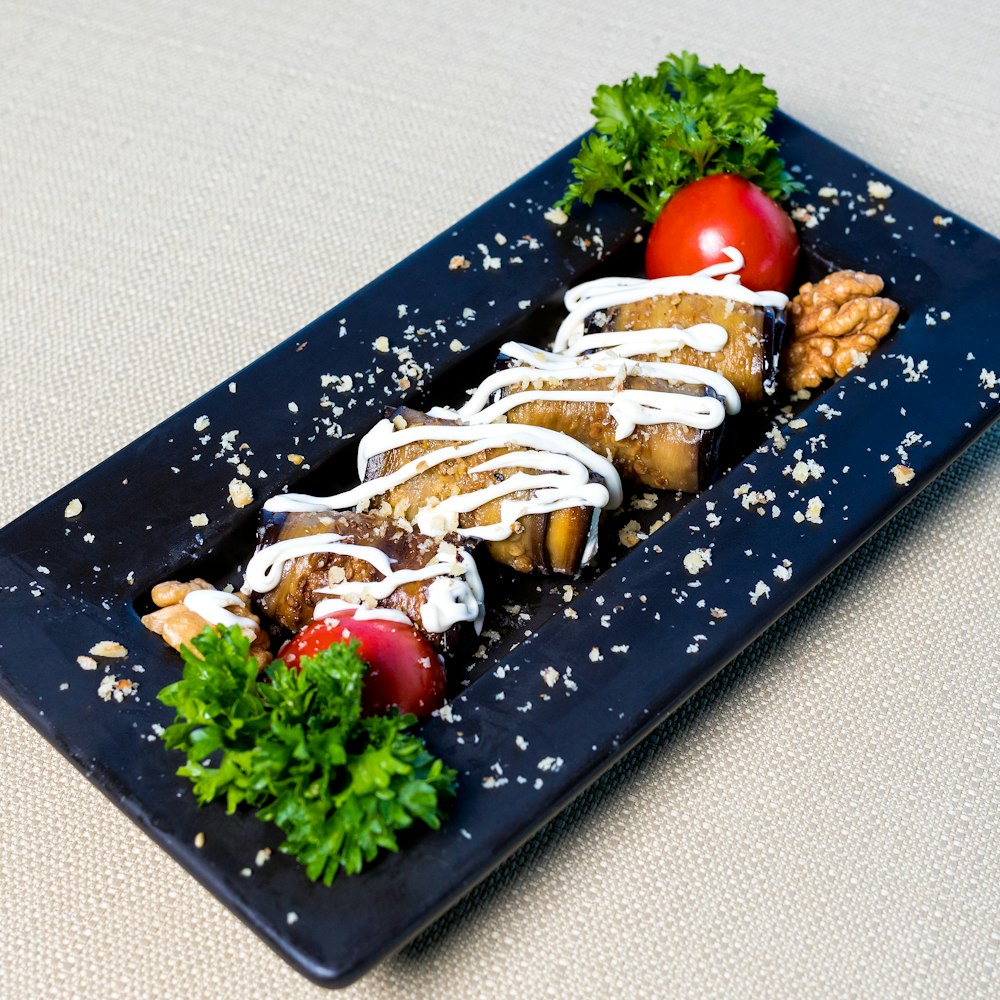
[[654, 134], [294, 745]]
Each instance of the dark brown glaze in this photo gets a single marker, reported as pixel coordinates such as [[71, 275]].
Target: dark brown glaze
[[541, 543], [670, 456], [750, 357], [292, 602]]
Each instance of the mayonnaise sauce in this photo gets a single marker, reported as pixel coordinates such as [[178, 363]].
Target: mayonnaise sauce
[[459, 601], [628, 407], [565, 466], [554, 471], [720, 280], [212, 605]]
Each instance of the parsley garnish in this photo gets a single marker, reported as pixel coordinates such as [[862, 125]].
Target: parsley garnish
[[654, 134], [293, 744]]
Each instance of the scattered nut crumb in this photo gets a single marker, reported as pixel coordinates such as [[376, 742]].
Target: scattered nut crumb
[[87, 662], [107, 647], [879, 190], [198, 520], [902, 474], [240, 493], [199, 840], [202, 423], [696, 560], [296, 459], [556, 216], [111, 687], [73, 508], [458, 263]]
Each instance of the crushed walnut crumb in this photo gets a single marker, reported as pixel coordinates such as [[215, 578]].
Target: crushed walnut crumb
[[879, 190], [107, 647], [696, 560], [240, 493]]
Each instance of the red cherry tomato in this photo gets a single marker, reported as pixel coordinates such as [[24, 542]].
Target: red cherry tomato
[[404, 669], [719, 211]]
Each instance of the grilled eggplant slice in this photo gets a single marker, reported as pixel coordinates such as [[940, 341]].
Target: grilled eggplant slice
[[672, 456], [659, 423], [557, 540], [749, 358], [305, 577]]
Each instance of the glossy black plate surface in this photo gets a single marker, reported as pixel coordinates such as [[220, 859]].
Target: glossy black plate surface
[[561, 689]]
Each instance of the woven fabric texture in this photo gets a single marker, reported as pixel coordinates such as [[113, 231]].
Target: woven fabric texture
[[183, 185]]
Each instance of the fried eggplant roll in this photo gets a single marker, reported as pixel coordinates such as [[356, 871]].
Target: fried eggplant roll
[[332, 560], [754, 336], [660, 424], [533, 495], [706, 319]]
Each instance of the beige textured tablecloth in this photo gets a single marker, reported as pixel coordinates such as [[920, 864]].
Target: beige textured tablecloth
[[181, 186]]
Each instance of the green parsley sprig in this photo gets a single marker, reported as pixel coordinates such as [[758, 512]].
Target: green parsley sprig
[[294, 745], [654, 134]]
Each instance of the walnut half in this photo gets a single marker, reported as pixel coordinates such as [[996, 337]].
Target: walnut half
[[836, 323], [178, 624]]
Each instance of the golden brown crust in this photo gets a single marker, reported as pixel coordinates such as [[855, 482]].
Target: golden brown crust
[[836, 323]]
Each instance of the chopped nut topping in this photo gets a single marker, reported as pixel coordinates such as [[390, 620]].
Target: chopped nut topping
[[836, 323], [73, 508], [879, 190], [696, 560], [902, 474], [240, 493]]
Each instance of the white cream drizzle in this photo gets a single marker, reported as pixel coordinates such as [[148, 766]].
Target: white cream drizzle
[[331, 605], [721, 280], [460, 600], [628, 407], [561, 467], [659, 340], [212, 606], [565, 465]]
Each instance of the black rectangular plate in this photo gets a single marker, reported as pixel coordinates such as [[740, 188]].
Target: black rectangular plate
[[59, 594]]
